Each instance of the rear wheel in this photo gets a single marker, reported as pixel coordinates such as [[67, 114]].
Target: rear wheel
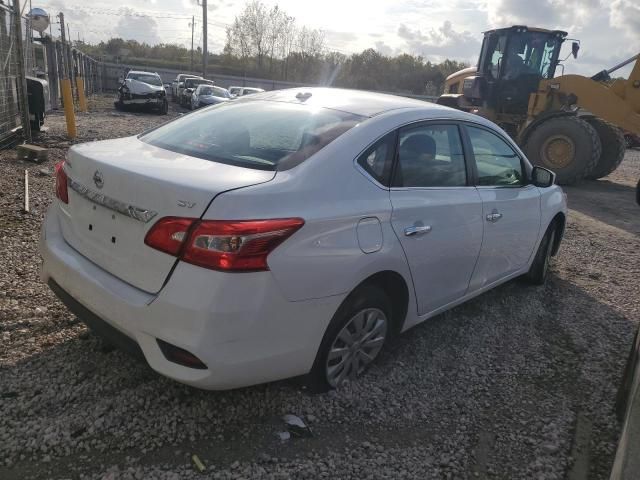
[[567, 145], [613, 148], [353, 340]]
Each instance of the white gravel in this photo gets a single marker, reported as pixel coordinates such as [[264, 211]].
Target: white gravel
[[491, 389]]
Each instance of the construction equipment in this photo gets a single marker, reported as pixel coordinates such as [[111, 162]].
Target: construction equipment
[[570, 124]]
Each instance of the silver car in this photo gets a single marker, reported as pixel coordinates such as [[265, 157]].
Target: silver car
[[209, 95], [293, 232]]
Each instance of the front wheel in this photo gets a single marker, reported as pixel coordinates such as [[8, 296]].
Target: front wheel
[[164, 108], [567, 145], [537, 274], [353, 340]]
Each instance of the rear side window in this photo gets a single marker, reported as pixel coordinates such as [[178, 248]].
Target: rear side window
[[497, 163], [377, 160], [430, 156], [255, 134]]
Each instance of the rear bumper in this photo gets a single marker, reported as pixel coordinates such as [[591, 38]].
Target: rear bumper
[[239, 325], [114, 336]]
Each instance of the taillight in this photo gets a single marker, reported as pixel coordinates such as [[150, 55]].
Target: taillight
[[62, 191], [236, 245], [168, 234]]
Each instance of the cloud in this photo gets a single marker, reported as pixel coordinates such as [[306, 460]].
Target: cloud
[[440, 43], [626, 14], [553, 14], [385, 49], [343, 38], [131, 27]]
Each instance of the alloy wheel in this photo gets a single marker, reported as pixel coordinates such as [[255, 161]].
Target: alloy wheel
[[356, 345]]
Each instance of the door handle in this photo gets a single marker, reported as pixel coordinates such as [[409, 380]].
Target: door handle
[[417, 229], [494, 217]]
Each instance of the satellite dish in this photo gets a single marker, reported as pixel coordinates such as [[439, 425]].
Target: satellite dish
[[39, 19]]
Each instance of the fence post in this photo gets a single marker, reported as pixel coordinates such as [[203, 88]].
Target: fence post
[[20, 74], [67, 93], [82, 99], [52, 67]]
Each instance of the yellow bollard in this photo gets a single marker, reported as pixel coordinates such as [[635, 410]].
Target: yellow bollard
[[69, 114], [82, 99]]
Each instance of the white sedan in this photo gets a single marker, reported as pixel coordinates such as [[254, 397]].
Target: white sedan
[[292, 232]]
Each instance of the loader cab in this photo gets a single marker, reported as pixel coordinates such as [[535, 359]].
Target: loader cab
[[512, 62]]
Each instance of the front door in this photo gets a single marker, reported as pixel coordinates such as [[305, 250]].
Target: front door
[[436, 214], [510, 208]]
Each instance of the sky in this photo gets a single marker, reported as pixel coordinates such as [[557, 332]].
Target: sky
[[609, 30]]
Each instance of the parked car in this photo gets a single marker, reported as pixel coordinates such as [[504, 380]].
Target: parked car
[[190, 84], [177, 84], [209, 95], [269, 237], [142, 90], [241, 91], [627, 463]]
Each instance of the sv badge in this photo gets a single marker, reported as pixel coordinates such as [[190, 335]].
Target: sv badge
[[184, 203]]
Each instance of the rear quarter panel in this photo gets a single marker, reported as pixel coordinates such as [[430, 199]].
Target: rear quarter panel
[[324, 257]]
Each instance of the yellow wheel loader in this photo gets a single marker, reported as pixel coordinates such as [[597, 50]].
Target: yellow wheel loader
[[570, 124]]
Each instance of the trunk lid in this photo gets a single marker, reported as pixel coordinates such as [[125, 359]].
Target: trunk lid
[[119, 188]]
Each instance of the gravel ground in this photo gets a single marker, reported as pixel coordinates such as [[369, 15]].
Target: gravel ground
[[519, 383]]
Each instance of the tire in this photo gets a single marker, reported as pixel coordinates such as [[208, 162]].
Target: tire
[[537, 274], [369, 304], [119, 106], [613, 148], [164, 109], [567, 145]]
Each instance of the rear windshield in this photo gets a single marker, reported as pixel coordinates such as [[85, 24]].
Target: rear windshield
[[255, 134], [215, 91], [146, 78]]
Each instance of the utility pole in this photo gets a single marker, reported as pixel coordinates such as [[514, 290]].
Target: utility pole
[[204, 38], [67, 95], [22, 84], [193, 24]]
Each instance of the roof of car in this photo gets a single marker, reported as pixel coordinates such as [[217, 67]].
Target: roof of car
[[358, 102], [141, 72]]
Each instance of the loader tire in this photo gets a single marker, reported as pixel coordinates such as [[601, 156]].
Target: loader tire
[[567, 145], [613, 148]]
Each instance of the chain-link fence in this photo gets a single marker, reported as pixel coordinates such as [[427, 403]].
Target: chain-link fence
[[9, 75], [42, 59]]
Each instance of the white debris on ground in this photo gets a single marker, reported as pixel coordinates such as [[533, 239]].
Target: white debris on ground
[[491, 389]]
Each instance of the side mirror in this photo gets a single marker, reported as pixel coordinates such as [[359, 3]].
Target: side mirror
[[575, 48], [180, 84], [542, 177]]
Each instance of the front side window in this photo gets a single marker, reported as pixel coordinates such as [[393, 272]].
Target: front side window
[[497, 163], [254, 134], [430, 156]]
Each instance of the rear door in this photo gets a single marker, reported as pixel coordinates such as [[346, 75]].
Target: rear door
[[510, 207], [437, 214]]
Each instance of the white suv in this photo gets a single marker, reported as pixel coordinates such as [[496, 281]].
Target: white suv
[[292, 232]]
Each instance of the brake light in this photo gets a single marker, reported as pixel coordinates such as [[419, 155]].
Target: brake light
[[62, 191], [236, 245], [168, 234]]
